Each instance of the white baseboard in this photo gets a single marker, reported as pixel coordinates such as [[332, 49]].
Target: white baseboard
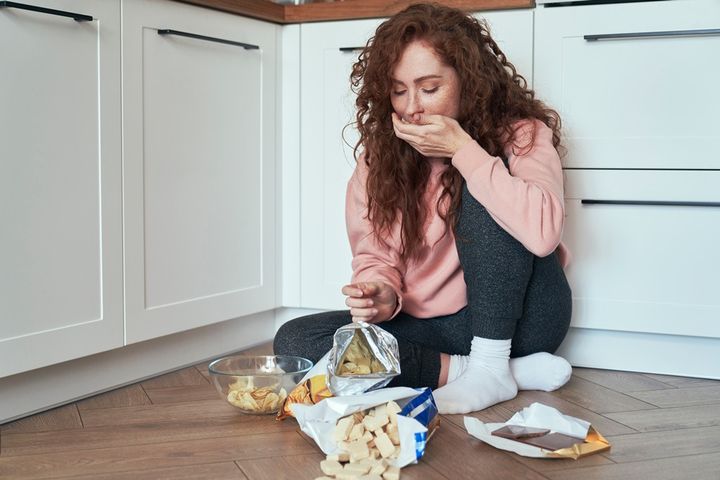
[[37, 390], [643, 352]]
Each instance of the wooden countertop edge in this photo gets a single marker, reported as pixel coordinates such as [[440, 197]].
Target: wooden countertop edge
[[341, 10]]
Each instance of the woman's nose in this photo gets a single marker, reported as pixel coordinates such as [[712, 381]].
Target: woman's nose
[[414, 106]]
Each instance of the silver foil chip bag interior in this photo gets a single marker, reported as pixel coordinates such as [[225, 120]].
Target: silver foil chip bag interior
[[369, 352]]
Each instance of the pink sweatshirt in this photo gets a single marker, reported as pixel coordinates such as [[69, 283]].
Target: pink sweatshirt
[[527, 202]]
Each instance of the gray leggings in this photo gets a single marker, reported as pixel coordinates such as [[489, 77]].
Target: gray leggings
[[511, 293]]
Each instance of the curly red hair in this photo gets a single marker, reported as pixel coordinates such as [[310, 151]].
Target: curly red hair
[[494, 97]]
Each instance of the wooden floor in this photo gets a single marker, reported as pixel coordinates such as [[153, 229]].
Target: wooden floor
[[175, 426]]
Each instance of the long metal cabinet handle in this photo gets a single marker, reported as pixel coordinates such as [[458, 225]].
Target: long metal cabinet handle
[[79, 17], [650, 202], [246, 46], [676, 33], [350, 49]]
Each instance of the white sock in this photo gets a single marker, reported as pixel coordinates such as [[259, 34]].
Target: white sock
[[487, 379], [539, 371]]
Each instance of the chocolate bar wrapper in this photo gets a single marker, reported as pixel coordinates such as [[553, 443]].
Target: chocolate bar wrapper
[[538, 415]]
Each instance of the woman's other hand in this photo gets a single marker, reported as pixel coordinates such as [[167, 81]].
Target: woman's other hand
[[371, 302], [431, 135]]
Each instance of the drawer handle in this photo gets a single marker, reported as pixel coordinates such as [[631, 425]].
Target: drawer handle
[[677, 33], [79, 17], [246, 46], [649, 202], [350, 49]]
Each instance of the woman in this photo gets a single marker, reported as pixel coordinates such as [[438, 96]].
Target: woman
[[454, 215]]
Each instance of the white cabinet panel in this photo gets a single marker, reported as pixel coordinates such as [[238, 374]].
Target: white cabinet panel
[[512, 30], [630, 101], [639, 266], [327, 106], [60, 262], [199, 167]]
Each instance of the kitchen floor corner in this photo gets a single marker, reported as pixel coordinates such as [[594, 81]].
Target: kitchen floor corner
[[176, 426]]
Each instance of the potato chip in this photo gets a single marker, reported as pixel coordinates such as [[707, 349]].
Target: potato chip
[[243, 394], [358, 358]]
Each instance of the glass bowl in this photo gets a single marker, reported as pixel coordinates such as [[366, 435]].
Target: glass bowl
[[257, 384]]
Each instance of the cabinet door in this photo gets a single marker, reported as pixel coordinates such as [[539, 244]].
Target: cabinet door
[[198, 167], [645, 258], [513, 32], [327, 106], [636, 84], [60, 177]]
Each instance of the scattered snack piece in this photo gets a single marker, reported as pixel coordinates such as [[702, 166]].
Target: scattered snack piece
[[384, 444], [342, 429], [357, 432], [393, 434], [374, 423], [243, 394], [358, 450], [356, 468], [339, 457], [392, 407], [392, 473], [365, 440], [331, 467]]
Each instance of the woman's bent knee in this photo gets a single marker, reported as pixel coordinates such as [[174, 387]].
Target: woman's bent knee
[[310, 336]]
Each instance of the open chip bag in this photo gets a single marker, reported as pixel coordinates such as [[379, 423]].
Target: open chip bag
[[364, 357], [551, 434], [415, 421]]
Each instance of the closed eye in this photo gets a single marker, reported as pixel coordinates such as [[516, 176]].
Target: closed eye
[[430, 90]]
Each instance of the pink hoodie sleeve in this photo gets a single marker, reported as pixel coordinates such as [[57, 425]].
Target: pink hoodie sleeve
[[372, 260], [527, 200]]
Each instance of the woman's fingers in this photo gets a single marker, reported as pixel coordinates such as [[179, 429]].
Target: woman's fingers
[[358, 302], [352, 291], [362, 314], [430, 138]]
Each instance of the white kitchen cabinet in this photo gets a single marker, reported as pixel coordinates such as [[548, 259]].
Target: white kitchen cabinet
[[60, 178], [327, 53], [326, 161], [645, 259], [199, 166], [635, 83]]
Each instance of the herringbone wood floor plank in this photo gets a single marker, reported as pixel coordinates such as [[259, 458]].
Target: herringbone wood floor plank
[[175, 426], [209, 471]]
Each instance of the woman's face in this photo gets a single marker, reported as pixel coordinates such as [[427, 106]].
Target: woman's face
[[423, 84]]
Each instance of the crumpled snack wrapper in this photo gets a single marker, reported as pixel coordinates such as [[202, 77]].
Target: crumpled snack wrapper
[[416, 421], [539, 415], [308, 392]]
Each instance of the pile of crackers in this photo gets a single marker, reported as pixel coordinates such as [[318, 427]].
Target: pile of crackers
[[367, 440]]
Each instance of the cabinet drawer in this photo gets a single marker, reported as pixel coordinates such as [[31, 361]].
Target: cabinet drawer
[[635, 83], [646, 261]]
